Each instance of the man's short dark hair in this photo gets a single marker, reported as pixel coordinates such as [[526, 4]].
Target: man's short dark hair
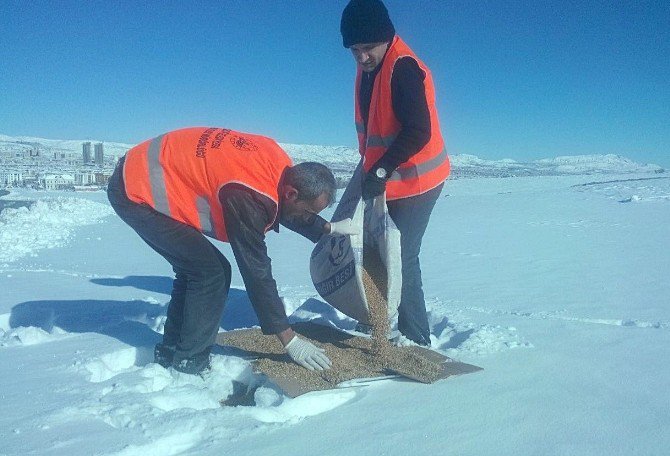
[[311, 179]]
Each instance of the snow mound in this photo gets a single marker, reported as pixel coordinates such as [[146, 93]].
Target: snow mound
[[462, 339], [128, 392], [481, 340], [29, 335], [46, 224]]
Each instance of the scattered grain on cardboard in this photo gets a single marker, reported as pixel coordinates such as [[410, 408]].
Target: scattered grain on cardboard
[[352, 357]]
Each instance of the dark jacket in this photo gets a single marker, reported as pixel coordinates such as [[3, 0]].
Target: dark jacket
[[247, 213], [409, 106]]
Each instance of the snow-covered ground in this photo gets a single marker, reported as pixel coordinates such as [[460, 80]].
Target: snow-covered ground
[[557, 286]]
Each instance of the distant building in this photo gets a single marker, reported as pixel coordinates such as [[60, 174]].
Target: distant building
[[57, 181], [61, 155], [84, 178], [102, 178], [11, 178], [31, 153], [99, 154], [86, 152]]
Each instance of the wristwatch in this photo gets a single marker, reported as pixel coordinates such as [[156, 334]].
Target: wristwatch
[[380, 173]]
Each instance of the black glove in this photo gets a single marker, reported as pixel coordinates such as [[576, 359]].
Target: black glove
[[373, 185]]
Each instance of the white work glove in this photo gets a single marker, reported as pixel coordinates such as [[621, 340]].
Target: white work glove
[[307, 354], [344, 227]]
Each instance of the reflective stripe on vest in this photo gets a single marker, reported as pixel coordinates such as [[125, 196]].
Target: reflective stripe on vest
[[159, 192], [156, 178], [205, 216], [380, 141], [420, 169]]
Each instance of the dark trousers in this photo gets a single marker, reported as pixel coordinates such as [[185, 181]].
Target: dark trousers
[[202, 273], [411, 216]]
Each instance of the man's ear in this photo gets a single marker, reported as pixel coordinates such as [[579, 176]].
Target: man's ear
[[290, 193]]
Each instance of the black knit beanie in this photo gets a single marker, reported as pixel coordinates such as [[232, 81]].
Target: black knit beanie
[[366, 21]]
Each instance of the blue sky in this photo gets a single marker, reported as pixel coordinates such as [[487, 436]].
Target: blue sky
[[514, 79]]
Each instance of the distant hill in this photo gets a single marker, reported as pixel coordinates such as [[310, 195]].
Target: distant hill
[[342, 160], [471, 166]]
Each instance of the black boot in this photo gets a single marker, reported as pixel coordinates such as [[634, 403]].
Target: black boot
[[194, 365], [163, 355]]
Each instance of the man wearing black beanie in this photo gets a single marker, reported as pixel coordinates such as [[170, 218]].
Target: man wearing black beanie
[[400, 141]]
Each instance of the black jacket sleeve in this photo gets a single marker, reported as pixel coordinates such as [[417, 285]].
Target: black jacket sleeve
[[312, 231], [410, 107], [247, 214]]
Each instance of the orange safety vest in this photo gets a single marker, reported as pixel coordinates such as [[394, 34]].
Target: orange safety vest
[[181, 172], [429, 167]]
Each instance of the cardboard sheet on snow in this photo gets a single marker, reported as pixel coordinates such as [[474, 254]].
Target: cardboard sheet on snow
[[351, 356]]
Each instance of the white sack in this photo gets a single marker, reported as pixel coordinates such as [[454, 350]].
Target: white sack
[[336, 263]]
